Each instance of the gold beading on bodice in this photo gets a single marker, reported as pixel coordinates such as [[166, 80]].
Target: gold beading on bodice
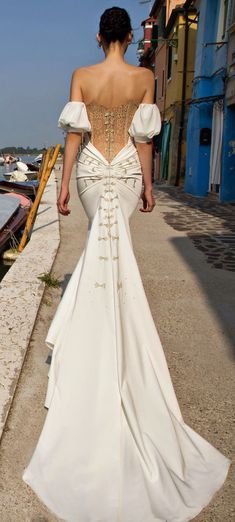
[[109, 127]]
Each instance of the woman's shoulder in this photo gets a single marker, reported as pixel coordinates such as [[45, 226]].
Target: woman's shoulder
[[146, 75], [143, 77], [81, 72]]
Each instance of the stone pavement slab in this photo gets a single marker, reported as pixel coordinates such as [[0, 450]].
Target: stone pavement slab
[[21, 293]]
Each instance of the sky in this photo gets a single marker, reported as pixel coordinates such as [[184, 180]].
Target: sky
[[41, 43]]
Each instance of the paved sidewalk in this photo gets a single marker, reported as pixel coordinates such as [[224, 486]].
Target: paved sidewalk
[[21, 292], [210, 224], [193, 307]]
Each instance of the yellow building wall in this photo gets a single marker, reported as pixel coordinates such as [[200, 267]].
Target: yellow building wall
[[174, 88], [174, 85]]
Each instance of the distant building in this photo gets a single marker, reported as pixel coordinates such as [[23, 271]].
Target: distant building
[[161, 12], [180, 34], [210, 162], [168, 49], [146, 46]]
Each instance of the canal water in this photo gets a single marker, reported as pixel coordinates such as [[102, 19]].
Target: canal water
[[4, 267]]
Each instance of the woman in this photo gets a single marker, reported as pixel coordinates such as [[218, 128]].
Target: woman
[[114, 446]]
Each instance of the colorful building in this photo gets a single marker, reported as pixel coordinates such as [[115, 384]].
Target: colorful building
[[180, 34], [161, 11], [210, 162], [170, 49], [146, 46]]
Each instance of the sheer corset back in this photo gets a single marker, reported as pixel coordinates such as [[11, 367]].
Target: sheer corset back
[[109, 127]]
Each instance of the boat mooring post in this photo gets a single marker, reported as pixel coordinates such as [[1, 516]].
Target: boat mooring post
[[50, 159]]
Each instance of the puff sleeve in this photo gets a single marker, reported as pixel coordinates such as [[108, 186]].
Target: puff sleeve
[[74, 118], [146, 123]]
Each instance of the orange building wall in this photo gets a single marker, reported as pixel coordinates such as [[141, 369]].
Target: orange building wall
[[161, 56]]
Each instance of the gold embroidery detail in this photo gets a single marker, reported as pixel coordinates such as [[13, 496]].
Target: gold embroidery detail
[[107, 123], [105, 258], [119, 285], [109, 225], [97, 285], [115, 237], [102, 237], [115, 258]]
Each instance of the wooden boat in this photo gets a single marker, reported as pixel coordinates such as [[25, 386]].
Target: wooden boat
[[8, 207], [25, 202], [14, 209], [31, 175], [28, 188]]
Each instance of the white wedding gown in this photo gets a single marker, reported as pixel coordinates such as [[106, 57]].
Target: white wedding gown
[[114, 446]]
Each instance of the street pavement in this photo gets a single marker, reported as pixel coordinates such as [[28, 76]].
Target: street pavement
[[185, 252]]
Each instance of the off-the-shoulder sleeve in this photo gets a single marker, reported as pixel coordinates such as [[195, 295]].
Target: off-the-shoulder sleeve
[[74, 118], [146, 123]]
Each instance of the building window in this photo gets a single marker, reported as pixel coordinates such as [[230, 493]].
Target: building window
[[155, 90], [169, 65], [155, 36], [162, 21]]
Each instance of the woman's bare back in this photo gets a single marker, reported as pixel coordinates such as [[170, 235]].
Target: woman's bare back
[[112, 84]]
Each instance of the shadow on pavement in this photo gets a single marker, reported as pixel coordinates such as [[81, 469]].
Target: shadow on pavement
[[217, 285]]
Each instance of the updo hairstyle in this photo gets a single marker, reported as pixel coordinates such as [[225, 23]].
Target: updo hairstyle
[[115, 24]]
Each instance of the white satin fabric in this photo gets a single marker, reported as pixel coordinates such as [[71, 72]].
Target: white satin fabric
[[114, 446], [73, 118]]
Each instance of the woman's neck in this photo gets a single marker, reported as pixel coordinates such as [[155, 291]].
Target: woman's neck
[[115, 52]]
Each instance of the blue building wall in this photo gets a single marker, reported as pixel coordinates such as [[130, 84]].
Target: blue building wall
[[227, 192], [209, 81]]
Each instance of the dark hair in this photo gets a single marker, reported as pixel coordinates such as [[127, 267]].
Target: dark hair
[[115, 24]]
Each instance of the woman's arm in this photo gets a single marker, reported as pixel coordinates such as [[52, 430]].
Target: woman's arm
[[72, 144], [145, 149], [145, 156]]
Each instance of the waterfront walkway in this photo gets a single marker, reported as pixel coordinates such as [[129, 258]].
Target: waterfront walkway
[[185, 254]]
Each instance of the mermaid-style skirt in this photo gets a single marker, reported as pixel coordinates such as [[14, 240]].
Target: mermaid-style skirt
[[114, 446]]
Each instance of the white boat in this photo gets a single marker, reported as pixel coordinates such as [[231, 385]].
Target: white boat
[[22, 166], [38, 159]]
